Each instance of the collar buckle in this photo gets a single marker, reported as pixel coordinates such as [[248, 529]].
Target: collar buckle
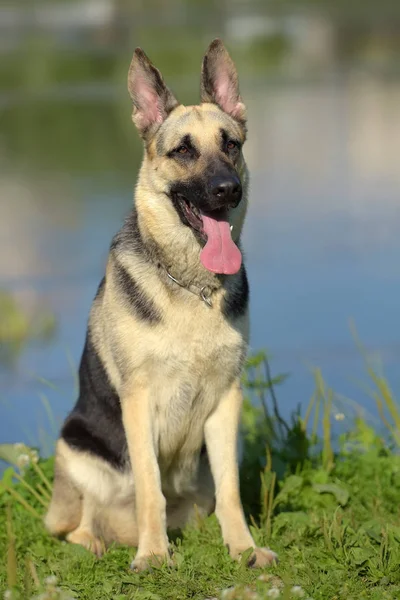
[[204, 293]]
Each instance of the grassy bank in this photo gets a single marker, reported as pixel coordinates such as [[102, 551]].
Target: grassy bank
[[18, 327], [330, 508]]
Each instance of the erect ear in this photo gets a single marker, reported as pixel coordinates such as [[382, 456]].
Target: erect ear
[[219, 81], [152, 100]]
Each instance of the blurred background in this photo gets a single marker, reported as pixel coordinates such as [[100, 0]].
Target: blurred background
[[321, 82]]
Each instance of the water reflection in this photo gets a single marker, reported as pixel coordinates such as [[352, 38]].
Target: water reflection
[[321, 238]]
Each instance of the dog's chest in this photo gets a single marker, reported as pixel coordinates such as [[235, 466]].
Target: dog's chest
[[196, 359], [197, 346]]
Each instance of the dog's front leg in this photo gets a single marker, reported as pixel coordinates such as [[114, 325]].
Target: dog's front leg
[[150, 503], [221, 433]]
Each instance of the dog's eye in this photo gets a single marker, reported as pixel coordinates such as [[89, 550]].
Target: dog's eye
[[182, 150], [185, 150], [231, 145]]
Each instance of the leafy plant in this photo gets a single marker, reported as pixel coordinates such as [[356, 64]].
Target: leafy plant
[[330, 508]]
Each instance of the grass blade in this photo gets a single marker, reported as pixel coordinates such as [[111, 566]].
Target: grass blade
[[11, 553]]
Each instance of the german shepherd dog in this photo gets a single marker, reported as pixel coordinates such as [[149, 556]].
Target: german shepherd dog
[[152, 439]]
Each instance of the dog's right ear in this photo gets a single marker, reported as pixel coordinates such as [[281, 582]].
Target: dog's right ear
[[219, 81], [152, 100]]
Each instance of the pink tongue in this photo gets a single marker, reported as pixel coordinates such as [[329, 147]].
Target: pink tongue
[[220, 254]]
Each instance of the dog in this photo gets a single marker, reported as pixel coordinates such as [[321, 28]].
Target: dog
[[152, 439]]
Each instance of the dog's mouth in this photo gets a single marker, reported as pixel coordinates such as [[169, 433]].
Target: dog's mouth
[[220, 253], [192, 215]]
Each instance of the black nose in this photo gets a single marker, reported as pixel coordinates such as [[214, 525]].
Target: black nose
[[227, 189]]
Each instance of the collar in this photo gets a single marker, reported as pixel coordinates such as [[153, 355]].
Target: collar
[[204, 292]]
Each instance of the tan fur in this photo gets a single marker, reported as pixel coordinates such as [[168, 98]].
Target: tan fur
[[204, 123], [177, 380]]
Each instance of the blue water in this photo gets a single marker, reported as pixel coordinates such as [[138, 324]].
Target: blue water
[[321, 243]]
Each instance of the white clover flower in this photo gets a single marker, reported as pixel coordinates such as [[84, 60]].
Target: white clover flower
[[264, 577], [339, 417], [297, 591], [34, 456], [227, 593], [51, 580], [23, 460], [273, 593], [8, 595]]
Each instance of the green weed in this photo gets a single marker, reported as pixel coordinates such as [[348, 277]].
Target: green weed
[[17, 327], [330, 508]]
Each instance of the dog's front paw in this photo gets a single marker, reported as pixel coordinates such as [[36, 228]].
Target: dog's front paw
[[260, 557], [145, 562]]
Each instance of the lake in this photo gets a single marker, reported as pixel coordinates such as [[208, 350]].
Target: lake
[[321, 240]]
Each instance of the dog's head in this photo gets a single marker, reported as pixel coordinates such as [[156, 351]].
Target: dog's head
[[193, 154]]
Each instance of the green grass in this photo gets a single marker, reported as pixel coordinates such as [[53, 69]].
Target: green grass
[[330, 508], [17, 327]]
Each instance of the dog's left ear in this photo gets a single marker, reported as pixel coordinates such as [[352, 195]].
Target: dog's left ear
[[219, 81], [151, 98]]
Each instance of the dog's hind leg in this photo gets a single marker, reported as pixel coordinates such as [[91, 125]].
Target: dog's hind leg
[[84, 534], [117, 524], [65, 510], [71, 513]]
